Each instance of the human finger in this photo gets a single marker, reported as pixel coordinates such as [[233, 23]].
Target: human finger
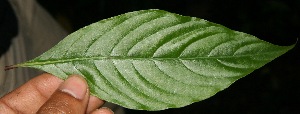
[[71, 97], [103, 110], [94, 103], [29, 97]]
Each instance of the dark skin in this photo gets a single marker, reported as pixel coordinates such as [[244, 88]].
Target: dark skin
[[47, 94]]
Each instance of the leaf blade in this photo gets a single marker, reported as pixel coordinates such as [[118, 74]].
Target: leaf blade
[[153, 59]]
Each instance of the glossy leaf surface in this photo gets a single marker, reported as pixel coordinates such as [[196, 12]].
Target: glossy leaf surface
[[153, 59]]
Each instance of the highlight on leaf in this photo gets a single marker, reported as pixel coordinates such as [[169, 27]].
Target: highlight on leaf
[[154, 60]]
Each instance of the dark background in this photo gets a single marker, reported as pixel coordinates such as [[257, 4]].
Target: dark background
[[274, 88]]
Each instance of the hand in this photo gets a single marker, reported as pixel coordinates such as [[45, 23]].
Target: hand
[[49, 94]]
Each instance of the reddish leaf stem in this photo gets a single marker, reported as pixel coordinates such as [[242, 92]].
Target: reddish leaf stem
[[10, 67]]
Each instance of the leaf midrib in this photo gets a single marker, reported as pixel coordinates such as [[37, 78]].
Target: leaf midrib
[[45, 62]]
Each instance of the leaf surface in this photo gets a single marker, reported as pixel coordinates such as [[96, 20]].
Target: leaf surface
[[154, 60]]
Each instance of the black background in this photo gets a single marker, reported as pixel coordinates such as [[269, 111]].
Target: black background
[[8, 25], [274, 88]]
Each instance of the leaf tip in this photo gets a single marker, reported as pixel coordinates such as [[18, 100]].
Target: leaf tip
[[293, 45]]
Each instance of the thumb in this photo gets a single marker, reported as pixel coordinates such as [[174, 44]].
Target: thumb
[[71, 98]]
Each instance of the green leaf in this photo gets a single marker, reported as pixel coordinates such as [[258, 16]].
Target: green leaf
[[154, 60]]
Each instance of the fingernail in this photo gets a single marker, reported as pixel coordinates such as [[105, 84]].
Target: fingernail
[[74, 86], [103, 110]]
